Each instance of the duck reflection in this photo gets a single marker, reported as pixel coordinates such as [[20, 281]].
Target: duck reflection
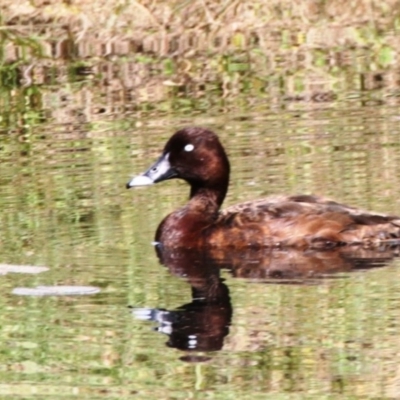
[[297, 266], [202, 324]]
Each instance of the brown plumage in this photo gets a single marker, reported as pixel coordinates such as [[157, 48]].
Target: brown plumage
[[197, 156]]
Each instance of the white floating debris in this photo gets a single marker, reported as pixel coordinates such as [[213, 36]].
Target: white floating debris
[[56, 291], [21, 269], [142, 313]]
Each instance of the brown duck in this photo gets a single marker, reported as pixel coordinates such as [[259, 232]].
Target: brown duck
[[197, 156]]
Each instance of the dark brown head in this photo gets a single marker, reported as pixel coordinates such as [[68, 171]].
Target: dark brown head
[[194, 155]]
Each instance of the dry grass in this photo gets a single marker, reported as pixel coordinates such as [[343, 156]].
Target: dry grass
[[186, 27], [152, 51]]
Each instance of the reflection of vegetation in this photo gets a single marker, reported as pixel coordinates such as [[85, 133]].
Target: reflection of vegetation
[[186, 54], [28, 48], [21, 109], [10, 75]]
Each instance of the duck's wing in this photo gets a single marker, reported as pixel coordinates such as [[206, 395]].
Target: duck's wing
[[303, 221]]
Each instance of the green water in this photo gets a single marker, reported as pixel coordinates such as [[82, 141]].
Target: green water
[[63, 205]]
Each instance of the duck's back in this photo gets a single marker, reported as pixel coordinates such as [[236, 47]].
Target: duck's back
[[301, 221]]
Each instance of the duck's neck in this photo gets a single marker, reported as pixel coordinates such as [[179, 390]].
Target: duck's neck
[[207, 200], [184, 226]]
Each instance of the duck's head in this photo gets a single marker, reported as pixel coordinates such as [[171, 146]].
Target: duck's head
[[193, 154]]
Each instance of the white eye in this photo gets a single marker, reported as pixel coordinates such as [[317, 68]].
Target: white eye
[[188, 147]]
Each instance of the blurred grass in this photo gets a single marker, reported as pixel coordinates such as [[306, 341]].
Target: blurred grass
[[179, 52]]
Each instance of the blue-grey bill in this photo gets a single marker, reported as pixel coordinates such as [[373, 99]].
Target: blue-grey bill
[[140, 180], [159, 171]]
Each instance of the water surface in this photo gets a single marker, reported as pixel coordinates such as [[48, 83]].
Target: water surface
[[64, 205]]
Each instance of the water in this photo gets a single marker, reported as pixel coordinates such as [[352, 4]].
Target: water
[[194, 330]]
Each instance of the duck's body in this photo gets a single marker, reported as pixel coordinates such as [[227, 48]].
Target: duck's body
[[297, 221], [197, 156]]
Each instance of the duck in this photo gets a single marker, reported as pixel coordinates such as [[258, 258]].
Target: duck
[[196, 155]]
